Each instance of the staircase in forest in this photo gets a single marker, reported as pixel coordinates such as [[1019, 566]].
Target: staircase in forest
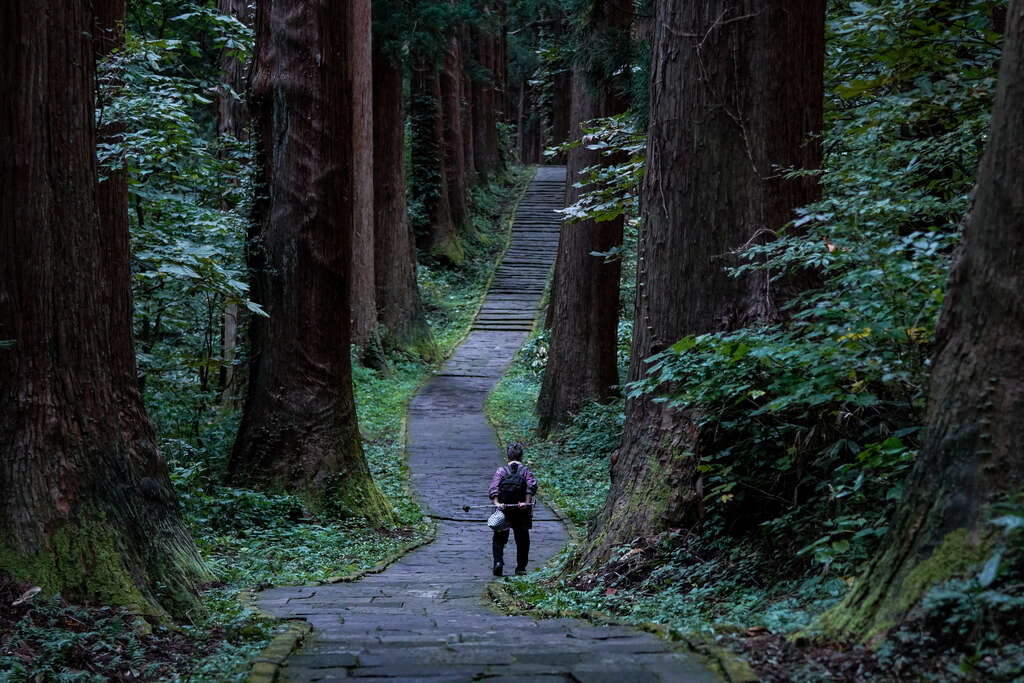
[[425, 617], [519, 282]]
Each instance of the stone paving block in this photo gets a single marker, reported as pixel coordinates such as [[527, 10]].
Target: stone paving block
[[602, 675], [327, 660], [318, 675], [414, 670]]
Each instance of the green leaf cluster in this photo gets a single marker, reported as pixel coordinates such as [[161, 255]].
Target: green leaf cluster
[[189, 193], [610, 188]]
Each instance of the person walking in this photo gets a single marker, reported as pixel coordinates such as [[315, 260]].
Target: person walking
[[512, 490]]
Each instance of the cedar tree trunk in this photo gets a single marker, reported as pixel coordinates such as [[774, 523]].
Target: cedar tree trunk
[[362, 298], [465, 40], [454, 149], [299, 432], [582, 356], [736, 94], [973, 448], [232, 120], [402, 319], [485, 127], [86, 505], [435, 233]]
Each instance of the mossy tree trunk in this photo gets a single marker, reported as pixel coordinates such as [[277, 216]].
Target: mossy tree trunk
[[582, 357], [736, 94], [86, 504], [403, 322], [972, 453], [299, 432]]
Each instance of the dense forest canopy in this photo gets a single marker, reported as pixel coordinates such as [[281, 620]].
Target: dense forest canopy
[[776, 381]]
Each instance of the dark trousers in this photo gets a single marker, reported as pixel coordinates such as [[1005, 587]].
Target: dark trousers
[[522, 545]]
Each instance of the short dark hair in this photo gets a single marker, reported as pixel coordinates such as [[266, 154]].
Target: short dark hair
[[514, 451]]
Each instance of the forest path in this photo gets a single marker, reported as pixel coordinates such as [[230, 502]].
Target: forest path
[[425, 617]]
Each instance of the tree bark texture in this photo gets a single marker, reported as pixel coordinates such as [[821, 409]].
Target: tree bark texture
[[362, 299], [468, 155], [453, 147], [582, 355], [232, 109], [485, 96], [529, 123], [86, 504], [436, 235], [112, 193], [973, 447], [403, 322], [299, 432], [736, 95]]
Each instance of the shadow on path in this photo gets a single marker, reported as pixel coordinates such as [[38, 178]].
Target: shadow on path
[[425, 617]]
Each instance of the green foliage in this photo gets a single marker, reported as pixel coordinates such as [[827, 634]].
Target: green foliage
[[611, 187], [55, 641], [973, 622], [189, 192], [810, 425], [669, 580]]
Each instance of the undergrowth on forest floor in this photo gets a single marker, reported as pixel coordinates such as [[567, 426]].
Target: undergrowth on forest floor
[[743, 592], [249, 538]]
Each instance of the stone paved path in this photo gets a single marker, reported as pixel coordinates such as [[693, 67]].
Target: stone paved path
[[425, 617]]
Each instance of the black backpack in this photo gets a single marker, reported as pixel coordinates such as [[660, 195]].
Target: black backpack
[[512, 487]]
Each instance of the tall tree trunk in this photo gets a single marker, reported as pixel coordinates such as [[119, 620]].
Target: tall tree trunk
[[561, 110], [362, 298], [485, 127], [504, 97], [528, 126], [86, 505], [232, 120], [468, 155], [561, 96], [973, 448], [299, 430], [112, 192], [582, 356], [233, 110], [400, 312], [736, 93], [454, 149], [435, 233]]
